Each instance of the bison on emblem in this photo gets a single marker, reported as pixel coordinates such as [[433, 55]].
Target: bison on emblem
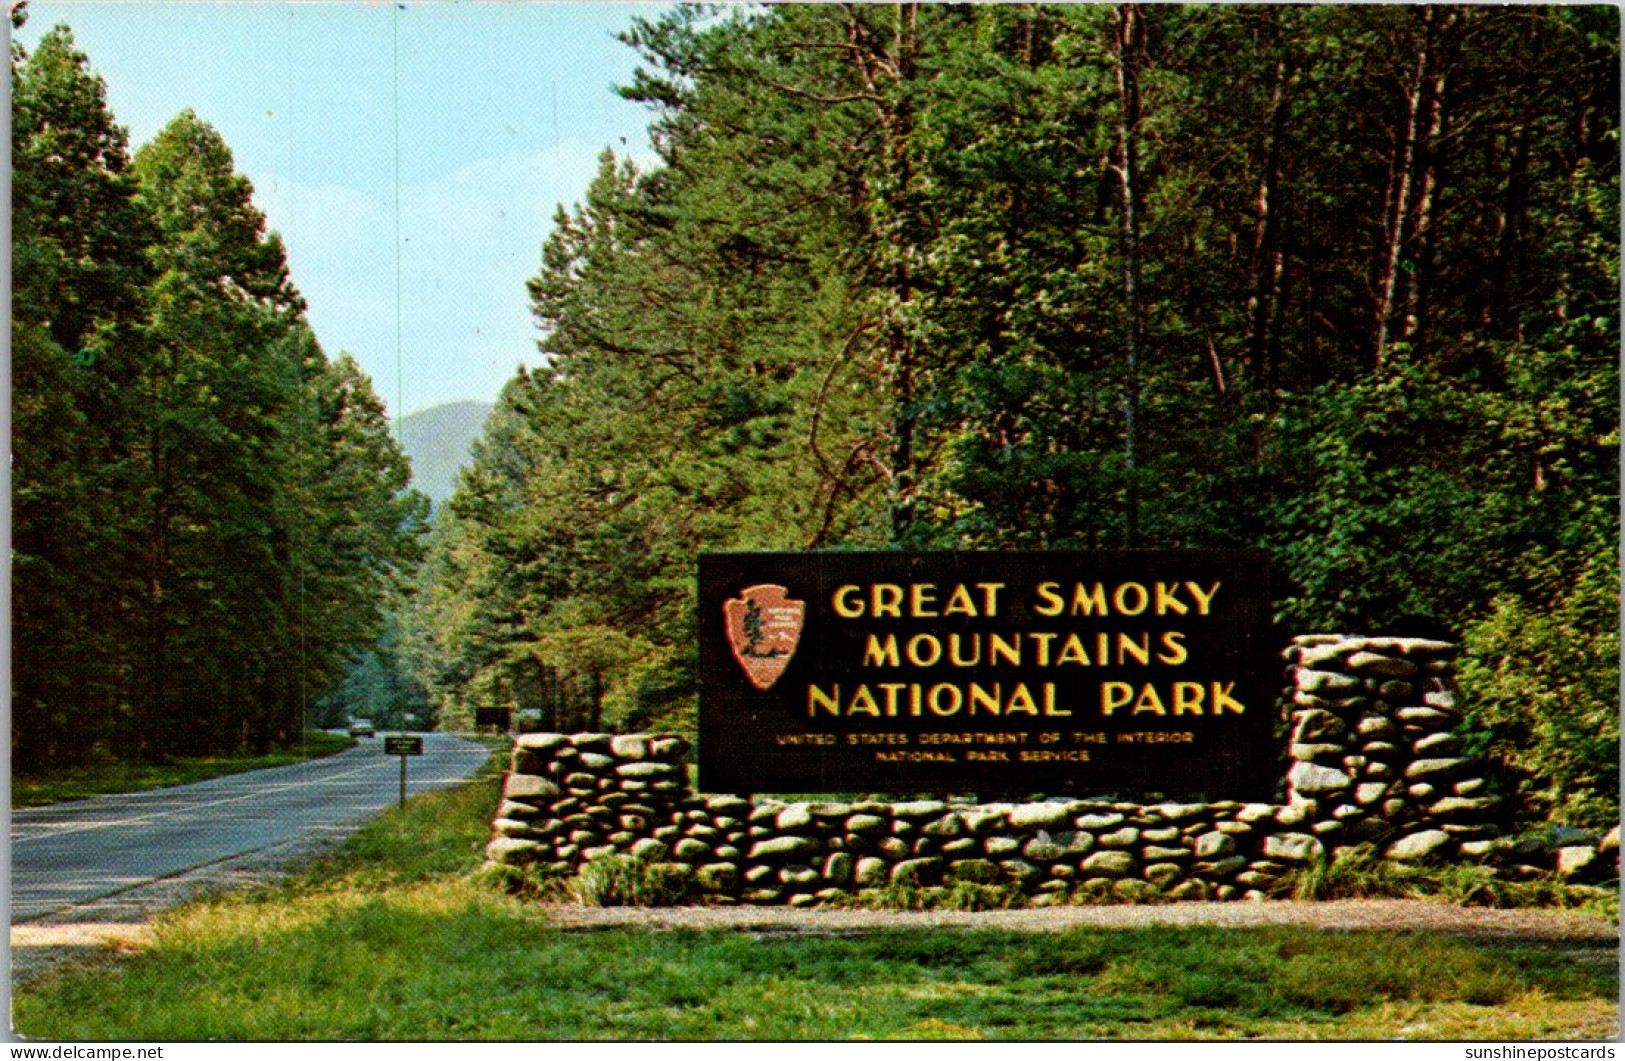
[[764, 625]]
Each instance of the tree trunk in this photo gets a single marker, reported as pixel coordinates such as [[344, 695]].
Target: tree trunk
[[1129, 46], [1268, 261], [1402, 179]]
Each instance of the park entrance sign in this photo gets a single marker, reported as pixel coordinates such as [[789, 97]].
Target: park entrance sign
[[1057, 672]]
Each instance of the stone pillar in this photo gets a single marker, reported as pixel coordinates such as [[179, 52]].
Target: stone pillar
[[1375, 753]]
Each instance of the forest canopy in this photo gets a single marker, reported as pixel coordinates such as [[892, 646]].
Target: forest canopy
[[1335, 281], [209, 517]]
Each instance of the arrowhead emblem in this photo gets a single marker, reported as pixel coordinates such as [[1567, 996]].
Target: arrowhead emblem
[[764, 625]]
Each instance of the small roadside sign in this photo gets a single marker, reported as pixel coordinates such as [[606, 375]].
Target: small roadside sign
[[401, 744]]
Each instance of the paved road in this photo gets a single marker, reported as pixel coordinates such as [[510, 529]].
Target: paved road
[[73, 852]]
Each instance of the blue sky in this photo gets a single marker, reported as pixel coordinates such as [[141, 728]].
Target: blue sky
[[503, 111]]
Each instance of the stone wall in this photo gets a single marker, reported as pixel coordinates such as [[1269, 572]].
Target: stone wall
[[1374, 761]]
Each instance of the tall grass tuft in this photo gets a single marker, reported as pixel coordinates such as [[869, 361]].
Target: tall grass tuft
[[622, 881]]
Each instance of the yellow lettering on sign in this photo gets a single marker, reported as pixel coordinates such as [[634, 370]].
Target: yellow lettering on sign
[[960, 603], [863, 703], [1149, 702], [1188, 698], [1223, 701], [881, 652], [924, 650]]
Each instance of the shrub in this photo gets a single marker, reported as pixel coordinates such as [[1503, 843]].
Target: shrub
[[1541, 681]]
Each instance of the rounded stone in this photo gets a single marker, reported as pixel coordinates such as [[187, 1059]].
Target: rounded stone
[[1369, 792], [839, 868], [1573, 861], [629, 746], [512, 851], [1215, 845], [1417, 845], [1189, 890], [1440, 700], [1371, 664], [1127, 836], [717, 876], [980, 823], [1019, 870], [1374, 725], [797, 876], [1434, 767], [1460, 806], [920, 808], [541, 742], [1316, 726], [1293, 847], [645, 771], [1312, 779], [668, 747], [915, 870], [1027, 816], [528, 787], [785, 847], [1222, 867], [1041, 850], [795, 816], [1328, 684], [1437, 744], [1107, 864], [871, 872], [1001, 845]]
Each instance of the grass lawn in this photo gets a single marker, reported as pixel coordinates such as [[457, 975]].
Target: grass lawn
[[391, 939], [54, 786]]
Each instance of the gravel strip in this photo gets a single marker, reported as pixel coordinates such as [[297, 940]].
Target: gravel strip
[[1404, 915]]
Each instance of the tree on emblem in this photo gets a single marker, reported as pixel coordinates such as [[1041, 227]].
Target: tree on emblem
[[753, 633]]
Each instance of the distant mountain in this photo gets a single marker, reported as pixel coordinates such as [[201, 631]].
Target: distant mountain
[[438, 440]]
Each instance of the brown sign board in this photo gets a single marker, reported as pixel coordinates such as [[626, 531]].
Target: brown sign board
[[402, 744], [1133, 672]]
